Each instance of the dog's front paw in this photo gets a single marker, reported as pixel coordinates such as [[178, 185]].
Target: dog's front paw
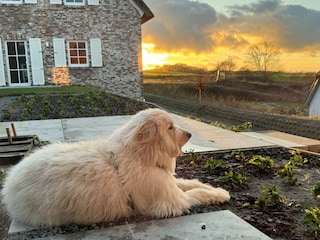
[[221, 195]]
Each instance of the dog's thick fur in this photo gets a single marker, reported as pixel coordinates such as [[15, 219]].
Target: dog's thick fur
[[131, 172]]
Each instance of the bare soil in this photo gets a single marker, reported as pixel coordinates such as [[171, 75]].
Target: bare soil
[[277, 221]]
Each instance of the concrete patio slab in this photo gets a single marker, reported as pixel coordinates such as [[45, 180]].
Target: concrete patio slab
[[217, 225], [313, 145], [46, 130], [78, 129], [216, 138], [275, 140]]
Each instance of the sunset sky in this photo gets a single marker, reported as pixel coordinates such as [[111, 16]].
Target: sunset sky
[[201, 33]]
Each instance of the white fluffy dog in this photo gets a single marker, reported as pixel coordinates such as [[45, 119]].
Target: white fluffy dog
[[131, 172]]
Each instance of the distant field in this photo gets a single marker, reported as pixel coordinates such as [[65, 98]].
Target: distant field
[[156, 73], [283, 93]]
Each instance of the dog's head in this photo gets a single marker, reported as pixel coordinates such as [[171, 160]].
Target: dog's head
[[155, 135]]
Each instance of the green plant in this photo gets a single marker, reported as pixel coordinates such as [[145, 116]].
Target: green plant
[[270, 198], [315, 190], [212, 164], [263, 163], [194, 158], [235, 178], [296, 159], [238, 155], [312, 218], [218, 124], [2, 175], [246, 126], [288, 170]]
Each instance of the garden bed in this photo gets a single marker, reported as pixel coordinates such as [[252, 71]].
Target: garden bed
[[279, 219]]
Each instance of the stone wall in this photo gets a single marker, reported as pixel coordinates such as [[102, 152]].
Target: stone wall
[[116, 23]]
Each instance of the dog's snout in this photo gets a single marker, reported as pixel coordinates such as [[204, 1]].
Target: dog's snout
[[188, 135]]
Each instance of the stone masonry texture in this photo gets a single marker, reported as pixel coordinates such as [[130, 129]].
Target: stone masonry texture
[[116, 22]]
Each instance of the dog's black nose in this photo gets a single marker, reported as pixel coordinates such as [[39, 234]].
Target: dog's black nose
[[189, 135]]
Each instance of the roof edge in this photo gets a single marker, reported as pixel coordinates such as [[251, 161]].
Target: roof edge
[[313, 89], [143, 10]]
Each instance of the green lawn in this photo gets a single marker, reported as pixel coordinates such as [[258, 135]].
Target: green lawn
[[4, 92]]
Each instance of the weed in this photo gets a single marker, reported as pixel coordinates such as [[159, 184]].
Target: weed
[[2, 175], [238, 155], [213, 164], [296, 158], [194, 158], [288, 170], [242, 127], [312, 218], [270, 198], [261, 162], [315, 190], [235, 178], [218, 124]]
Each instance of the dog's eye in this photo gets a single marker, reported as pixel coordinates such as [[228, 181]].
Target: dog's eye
[[170, 127]]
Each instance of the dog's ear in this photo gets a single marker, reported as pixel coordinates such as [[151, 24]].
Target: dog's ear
[[147, 131]]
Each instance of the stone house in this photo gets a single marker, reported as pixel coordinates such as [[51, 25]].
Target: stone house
[[313, 99], [80, 42]]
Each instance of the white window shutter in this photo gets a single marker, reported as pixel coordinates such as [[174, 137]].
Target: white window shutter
[[36, 61], [96, 53], [59, 50], [93, 2], [30, 1], [2, 79], [55, 1]]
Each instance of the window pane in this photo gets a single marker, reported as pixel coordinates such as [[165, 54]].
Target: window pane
[[83, 60], [72, 44], [22, 62], [82, 53], [21, 50], [14, 76], [11, 48], [82, 45], [23, 76], [73, 53], [74, 60], [13, 62]]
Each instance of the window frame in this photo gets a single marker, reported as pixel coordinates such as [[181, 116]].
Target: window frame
[[11, 1], [74, 3], [70, 64]]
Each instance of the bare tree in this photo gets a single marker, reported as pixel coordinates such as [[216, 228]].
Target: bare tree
[[264, 57], [226, 65]]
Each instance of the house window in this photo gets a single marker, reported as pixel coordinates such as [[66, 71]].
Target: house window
[[74, 2], [11, 1], [17, 63], [78, 54]]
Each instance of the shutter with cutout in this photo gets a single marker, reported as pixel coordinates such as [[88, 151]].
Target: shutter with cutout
[[93, 2], [55, 1], [2, 79], [36, 61], [96, 53], [59, 52]]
